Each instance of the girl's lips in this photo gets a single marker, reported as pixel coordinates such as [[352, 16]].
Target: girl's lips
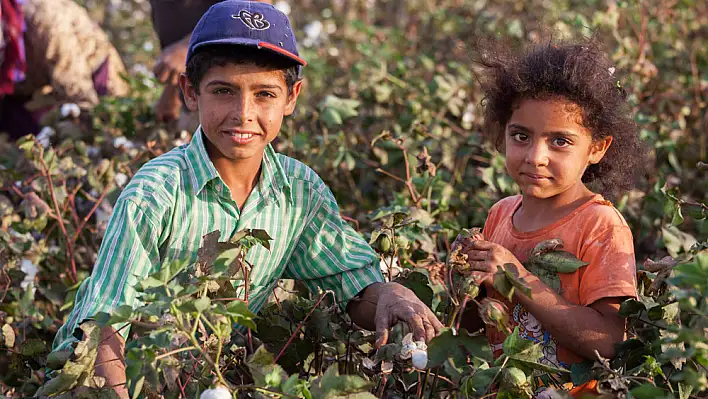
[[534, 177]]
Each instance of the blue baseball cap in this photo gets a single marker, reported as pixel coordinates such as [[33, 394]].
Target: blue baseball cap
[[246, 23]]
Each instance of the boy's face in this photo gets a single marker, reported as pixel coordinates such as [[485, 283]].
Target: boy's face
[[241, 107], [548, 149]]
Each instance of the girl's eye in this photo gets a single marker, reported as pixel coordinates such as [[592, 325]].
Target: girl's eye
[[520, 137], [561, 142]]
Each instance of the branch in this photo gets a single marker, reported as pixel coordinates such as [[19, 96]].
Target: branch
[[173, 352], [290, 340], [60, 218], [93, 209]]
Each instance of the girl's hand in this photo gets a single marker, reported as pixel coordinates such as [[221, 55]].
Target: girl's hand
[[484, 257]]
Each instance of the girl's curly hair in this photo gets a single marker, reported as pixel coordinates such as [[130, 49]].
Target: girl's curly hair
[[580, 73]]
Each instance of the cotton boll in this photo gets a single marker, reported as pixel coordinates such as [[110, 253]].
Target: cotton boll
[[313, 30], [30, 270], [45, 135], [122, 142], [283, 6], [368, 363], [120, 179], [70, 110], [216, 393], [419, 358]]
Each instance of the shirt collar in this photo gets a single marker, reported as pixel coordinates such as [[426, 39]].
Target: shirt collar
[[201, 168], [272, 182]]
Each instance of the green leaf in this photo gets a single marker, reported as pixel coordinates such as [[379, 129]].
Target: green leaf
[[667, 313], [331, 117], [502, 284], [57, 359], [34, 348], [163, 276], [457, 347], [8, 335], [479, 383], [202, 304], [79, 372], [263, 369], [515, 281], [526, 354], [558, 261], [581, 372], [548, 277], [331, 384], [238, 312], [648, 391], [684, 390], [263, 237], [631, 307]]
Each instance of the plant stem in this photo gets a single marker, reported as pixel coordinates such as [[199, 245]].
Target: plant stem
[[290, 340], [60, 218], [264, 390], [495, 376], [170, 353], [80, 227]]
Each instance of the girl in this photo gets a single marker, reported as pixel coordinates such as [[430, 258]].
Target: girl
[[563, 121]]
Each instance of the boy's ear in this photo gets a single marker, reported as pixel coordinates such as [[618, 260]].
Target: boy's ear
[[292, 98], [599, 149], [189, 92]]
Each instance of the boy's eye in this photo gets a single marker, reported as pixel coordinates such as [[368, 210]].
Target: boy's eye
[[222, 90], [265, 94], [560, 142]]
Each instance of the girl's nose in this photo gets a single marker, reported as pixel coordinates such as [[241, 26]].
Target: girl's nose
[[537, 155]]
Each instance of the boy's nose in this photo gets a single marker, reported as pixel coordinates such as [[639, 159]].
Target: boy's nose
[[244, 109], [537, 155]]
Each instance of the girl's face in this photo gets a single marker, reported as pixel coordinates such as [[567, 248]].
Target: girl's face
[[548, 149]]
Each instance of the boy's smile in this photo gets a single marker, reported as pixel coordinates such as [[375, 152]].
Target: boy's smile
[[241, 108], [548, 149]]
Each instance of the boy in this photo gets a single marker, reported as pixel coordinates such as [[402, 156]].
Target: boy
[[241, 79]]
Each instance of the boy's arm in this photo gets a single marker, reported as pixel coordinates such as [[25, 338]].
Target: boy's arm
[[129, 252], [330, 255]]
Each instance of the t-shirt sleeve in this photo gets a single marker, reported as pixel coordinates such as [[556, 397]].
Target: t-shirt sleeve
[[611, 272], [331, 255]]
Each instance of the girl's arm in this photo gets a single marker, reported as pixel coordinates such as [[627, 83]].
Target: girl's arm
[[583, 329]]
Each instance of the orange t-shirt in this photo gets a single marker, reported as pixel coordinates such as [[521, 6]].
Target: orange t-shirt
[[595, 233]]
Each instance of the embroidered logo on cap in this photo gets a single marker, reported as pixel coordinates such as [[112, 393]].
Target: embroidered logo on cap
[[254, 21]]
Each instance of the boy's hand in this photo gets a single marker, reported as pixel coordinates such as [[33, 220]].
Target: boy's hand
[[485, 256], [399, 304], [380, 306]]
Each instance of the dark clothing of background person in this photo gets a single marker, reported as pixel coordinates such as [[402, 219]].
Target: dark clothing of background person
[[175, 19]]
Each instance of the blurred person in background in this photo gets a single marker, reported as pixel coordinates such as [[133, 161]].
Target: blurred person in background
[[173, 21], [69, 59]]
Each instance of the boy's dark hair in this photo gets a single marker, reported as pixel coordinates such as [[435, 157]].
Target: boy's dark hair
[[219, 55], [580, 73]]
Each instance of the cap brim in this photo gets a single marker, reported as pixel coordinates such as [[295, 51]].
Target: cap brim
[[256, 44]]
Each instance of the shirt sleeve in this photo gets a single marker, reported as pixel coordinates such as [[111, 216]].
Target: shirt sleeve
[[612, 268], [128, 253], [330, 255]]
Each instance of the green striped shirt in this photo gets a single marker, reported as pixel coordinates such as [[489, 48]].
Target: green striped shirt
[[177, 198]]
